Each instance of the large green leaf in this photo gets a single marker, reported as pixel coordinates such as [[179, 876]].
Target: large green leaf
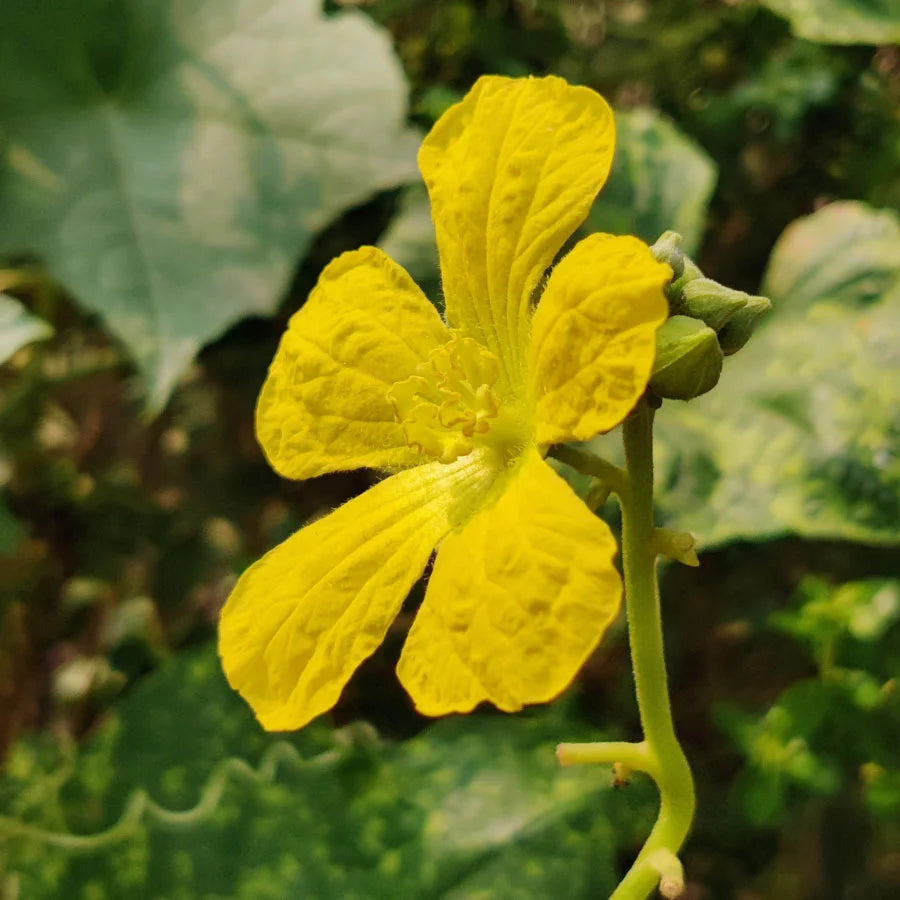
[[660, 181], [474, 807], [18, 327], [847, 251], [802, 433], [171, 159], [842, 21]]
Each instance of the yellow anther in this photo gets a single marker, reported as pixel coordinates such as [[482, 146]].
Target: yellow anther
[[449, 400]]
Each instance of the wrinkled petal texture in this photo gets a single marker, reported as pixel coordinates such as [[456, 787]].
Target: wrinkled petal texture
[[302, 619], [512, 171], [517, 600], [324, 405], [594, 336]]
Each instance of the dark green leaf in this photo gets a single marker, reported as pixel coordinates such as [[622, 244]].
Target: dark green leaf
[[842, 21], [838, 728], [10, 530], [475, 806], [785, 89], [777, 747]]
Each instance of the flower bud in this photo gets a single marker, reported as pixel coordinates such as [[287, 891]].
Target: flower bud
[[690, 272], [668, 250], [710, 302], [688, 359], [741, 325]]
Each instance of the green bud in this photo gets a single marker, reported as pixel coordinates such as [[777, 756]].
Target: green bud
[[689, 273], [710, 302], [688, 359], [741, 325], [668, 250]]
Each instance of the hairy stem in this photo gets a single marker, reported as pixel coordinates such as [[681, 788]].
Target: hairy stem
[[672, 772], [612, 476]]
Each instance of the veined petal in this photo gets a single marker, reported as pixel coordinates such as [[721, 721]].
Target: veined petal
[[302, 619], [517, 601], [594, 336], [324, 406], [512, 171]]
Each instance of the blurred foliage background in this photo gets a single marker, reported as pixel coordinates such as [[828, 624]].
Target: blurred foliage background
[[173, 175]]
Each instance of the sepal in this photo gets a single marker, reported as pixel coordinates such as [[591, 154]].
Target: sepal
[[688, 359], [742, 324], [710, 302]]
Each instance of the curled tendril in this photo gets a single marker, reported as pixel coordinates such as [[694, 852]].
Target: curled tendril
[[142, 809]]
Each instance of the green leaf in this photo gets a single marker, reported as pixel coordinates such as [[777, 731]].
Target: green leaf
[[11, 531], [171, 161], [781, 752], [863, 610], [841, 21], [475, 806], [660, 181], [786, 87], [18, 327], [838, 728], [801, 434]]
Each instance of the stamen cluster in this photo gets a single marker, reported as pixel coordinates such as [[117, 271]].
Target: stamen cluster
[[449, 399]]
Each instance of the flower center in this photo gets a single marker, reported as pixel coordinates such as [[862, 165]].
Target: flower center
[[449, 399]]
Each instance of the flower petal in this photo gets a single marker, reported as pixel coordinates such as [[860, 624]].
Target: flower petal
[[517, 601], [302, 619], [512, 171], [324, 406], [594, 336]]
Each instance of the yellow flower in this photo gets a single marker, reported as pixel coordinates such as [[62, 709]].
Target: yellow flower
[[462, 413]]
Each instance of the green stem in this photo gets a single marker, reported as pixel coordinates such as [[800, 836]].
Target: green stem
[[673, 774], [611, 475], [634, 757]]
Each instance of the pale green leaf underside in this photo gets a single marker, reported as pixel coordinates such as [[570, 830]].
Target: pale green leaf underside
[[409, 240], [660, 181], [18, 327], [473, 807], [842, 21], [802, 434], [171, 159]]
